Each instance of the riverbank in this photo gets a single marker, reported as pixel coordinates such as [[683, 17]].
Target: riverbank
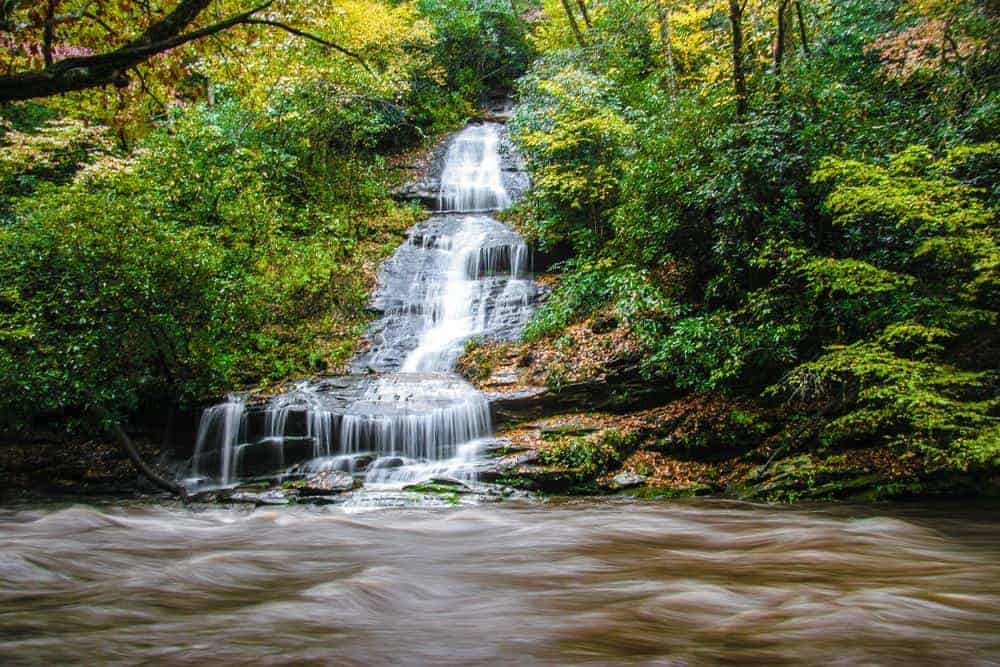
[[577, 416]]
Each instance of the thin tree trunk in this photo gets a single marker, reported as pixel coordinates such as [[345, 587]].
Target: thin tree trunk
[[572, 23], [802, 28], [739, 74], [48, 32], [583, 10], [142, 466], [663, 14], [126, 443], [779, 43]]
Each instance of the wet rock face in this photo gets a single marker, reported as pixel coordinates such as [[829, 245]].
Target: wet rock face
[[475, 171], [499, 295], [326, 483], [426, 188], [626, 480]]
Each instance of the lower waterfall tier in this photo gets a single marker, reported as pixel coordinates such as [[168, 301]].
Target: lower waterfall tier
[[394, 427]]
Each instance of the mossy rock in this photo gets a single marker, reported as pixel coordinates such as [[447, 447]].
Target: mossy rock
[[565, 428], [807, 478], [436, 487], [666, 492]]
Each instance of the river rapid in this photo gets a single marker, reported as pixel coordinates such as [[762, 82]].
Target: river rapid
[[604, 582]]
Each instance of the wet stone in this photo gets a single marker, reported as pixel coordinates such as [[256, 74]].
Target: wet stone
[[328, 482], [273, 497], [626, 480]]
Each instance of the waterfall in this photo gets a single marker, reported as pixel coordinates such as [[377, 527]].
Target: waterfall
[[415, 417], [225, 422], [483, 258], [461, 274], [471, 180]]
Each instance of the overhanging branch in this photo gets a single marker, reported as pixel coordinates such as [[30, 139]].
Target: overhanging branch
[[305, 35], [80, 73]]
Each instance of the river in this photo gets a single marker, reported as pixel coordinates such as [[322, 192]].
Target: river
[[697, 582]]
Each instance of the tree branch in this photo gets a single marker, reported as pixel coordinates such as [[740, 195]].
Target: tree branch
[[80, 73], [305, 35], [126, 443]]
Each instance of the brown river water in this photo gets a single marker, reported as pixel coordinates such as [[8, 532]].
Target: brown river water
[[604, 582]]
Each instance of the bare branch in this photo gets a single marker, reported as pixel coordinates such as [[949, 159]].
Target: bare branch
[[305, 35]]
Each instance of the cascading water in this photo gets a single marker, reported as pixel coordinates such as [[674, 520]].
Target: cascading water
[[472, 179], [226, 423], [461, 274]]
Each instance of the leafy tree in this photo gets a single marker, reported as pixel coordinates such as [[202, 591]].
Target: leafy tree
[[818, 227]]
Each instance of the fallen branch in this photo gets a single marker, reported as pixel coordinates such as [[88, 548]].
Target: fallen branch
[[145, 469]]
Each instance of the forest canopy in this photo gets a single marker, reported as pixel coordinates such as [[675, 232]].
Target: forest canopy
[[787, 199]]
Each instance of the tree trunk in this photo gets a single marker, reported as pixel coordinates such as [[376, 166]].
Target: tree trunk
[[663, 14], [802, 28], [583, 10], [739, 74], [126, 443], [573, 24], [49, 31], [133, 454], [779, 43]]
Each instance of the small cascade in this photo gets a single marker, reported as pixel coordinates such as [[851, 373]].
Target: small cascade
[[316, 415], [415, 417], [471, 180], [483, 257], [461, 274], [224, 424]]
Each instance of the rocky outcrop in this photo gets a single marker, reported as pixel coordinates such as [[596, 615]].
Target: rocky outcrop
[[622, 388]]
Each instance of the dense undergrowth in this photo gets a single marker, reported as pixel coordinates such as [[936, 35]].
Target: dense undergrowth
[[806, 218]]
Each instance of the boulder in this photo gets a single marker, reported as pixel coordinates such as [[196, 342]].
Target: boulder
[[439, 485], [326, 483], [626, 480], [273, 497]]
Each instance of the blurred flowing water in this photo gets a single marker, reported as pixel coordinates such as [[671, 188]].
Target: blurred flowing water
[[404, 415], [564, 582]]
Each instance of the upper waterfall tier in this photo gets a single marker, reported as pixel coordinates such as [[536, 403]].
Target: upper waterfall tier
[[471, 181], [462, 274]]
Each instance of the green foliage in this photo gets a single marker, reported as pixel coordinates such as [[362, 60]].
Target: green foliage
[[590, 285], [217, 221], [482, 44], [589, 456], [216, 254], [836, 244], [51, 150], [101, 308], [574, 138]]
